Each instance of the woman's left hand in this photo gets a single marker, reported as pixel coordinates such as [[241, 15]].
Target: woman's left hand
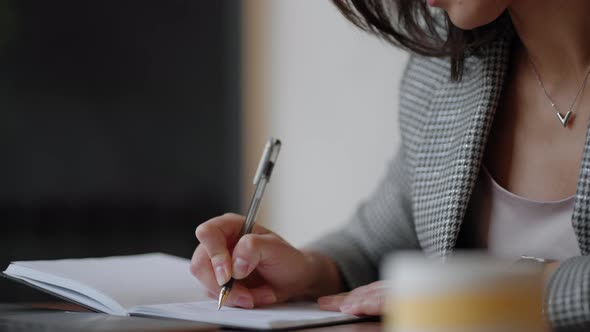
[[368, 300], [549, 269]]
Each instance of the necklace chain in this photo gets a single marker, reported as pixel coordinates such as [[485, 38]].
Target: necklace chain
[[562, 118]]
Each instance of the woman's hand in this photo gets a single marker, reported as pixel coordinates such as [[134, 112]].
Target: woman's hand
[[365, 300], [267, 269], [369, 300], [549, 269]]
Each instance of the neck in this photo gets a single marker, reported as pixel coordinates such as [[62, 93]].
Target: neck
[[555, 35]]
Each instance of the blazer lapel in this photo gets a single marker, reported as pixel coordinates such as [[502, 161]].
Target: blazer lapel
[[581, 214], [448, 162]]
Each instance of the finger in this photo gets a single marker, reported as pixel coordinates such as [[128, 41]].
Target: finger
[[219, 234], [381, 284], [332, 302], [213, 240], [366, 290], [369, 302], [264, 295], [202, 269], [250, 251], [240, 296], [352, 302], [363, 289], [373, 306], [231, 224], [351, 305]]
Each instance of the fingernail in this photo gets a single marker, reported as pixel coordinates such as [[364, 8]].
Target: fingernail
[[269, 299], [221, 275], [240, 267], [244, 302]]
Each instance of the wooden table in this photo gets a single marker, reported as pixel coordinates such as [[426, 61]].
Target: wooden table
[[366, 326]]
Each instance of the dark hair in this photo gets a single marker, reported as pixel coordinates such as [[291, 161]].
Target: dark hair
[[411, 24]]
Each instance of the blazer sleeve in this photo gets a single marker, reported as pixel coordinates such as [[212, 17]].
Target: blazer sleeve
[[384, 222], [380, 224], [567, 296]]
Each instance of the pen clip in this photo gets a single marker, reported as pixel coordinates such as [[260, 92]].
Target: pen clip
[[268, 159]]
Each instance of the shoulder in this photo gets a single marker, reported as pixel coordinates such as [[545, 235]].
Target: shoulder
[[428, 94], [426, 82], [427, 77], [423, 77], [424, 74]]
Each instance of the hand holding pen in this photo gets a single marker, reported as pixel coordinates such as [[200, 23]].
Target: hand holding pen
[[266, 269], [261, 179]]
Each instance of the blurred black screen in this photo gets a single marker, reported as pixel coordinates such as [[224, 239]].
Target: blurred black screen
[[119, 126]]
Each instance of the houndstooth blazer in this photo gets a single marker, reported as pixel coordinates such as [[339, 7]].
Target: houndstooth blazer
[[422, 200]]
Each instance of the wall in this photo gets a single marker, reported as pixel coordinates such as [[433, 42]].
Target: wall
[[331, 96], [119, 126]]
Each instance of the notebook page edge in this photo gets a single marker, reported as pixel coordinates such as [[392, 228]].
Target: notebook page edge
[[249, 323], [23, 273]]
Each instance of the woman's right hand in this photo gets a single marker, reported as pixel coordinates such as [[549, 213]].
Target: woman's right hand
[[267, 269]]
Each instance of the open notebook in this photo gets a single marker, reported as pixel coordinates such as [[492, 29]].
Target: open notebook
[[157, 285]]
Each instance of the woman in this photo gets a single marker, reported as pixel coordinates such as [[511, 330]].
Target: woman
[[494, 120]]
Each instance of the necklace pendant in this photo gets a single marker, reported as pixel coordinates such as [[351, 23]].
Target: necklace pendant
[[564, 119]]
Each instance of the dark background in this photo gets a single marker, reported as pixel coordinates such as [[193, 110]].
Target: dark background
[[119, 126]]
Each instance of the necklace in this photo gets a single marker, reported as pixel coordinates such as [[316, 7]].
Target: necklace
[[562, 118]]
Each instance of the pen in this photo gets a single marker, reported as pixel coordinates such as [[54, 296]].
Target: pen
[[261, 178]]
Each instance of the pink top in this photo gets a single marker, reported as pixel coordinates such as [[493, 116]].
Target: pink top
[[514, 226]]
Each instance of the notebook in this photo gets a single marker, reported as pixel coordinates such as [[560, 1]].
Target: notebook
[[157, 285]]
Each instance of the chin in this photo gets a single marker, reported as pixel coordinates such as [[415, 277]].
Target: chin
[[468, 15], [468, 23]]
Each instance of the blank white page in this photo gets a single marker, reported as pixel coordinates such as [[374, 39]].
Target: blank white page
[[129, 280], [280, 316]]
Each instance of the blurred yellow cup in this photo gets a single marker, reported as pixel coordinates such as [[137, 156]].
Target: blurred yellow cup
[[467, 292]]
